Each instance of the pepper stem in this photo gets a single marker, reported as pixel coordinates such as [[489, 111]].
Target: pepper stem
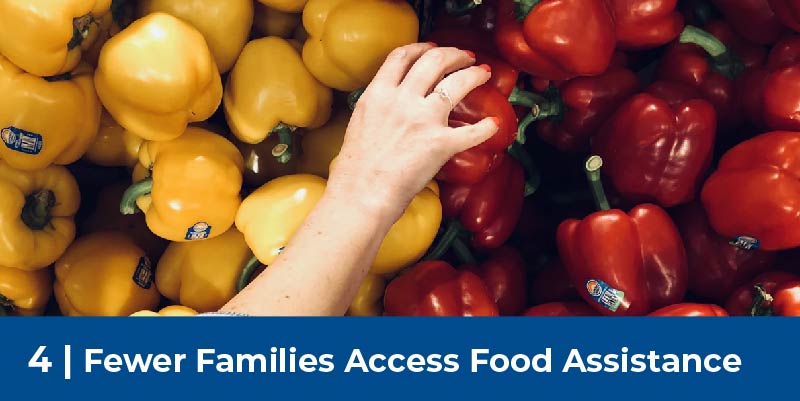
[[463, 253], [541, 108], [524, 8], [761, 297], [459, 7], [128, 204], [283, 150], [353, 97], [724, 60], [534, 177], [451, 233], [80, 30], [593, 165], [36, 212], [247, 273]]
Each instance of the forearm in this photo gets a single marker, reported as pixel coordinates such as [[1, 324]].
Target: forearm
[[321, 269]]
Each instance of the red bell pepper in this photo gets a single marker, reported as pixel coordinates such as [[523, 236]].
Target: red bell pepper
[[559, 309], [572, 111], [752, 83], [716, 266], [674, 93], [623, 264], [755, 299], [503, 273], [552, 284], [556, 39], [489, 210], [753, 19], [655, 152], [646, 24], [781, 96], [786, 301], [788, 11], [435, 288], [753, 195], [690, 310]]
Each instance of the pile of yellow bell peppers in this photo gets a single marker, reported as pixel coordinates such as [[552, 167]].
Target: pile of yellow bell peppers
[[156, 155]]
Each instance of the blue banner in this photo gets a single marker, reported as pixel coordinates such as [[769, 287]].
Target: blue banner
[[398, 358]]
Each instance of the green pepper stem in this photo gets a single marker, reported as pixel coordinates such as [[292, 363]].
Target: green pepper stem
[[592, 167], [459, 7], [282, 152], [724, 60], [534, 178], [463, 253], [524, 8], [352, 98], [450, 234], [127, 205], [248, 270], [761, 297], [36, 212], [542, 107]]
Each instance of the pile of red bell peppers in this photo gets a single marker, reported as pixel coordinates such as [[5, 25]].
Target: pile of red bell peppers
[[648, 162]]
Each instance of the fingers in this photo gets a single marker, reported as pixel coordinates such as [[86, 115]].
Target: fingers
[[398, 62], [456, 86], [433, 66], [463, 138]]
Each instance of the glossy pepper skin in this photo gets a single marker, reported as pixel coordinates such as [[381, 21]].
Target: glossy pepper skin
[[369, 298], [203, 275], [289, 6], [783, 55], [104, 274], [558, 39], [491, 208], [271, 215], [716, 267], [172, 310], [193, 189], [113, 146], [505, 277], [121, 15], [350, 39], [435, 288], [690, 310], [787, 299], [46, 121], [742, 300], [781, 99], [555, 309], [155, 87], [257, 100], [268, 21], [225, 24], [639, 254], [46, 38], [646, 24], [24, 293], [753, 19], [586, 103], [654, 152], [37, 212], [320, 146], [755, 189]]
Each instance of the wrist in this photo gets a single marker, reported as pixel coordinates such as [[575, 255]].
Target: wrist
[[376, 202]]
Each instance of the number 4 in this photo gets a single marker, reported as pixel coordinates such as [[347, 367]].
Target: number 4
[[43, 363]]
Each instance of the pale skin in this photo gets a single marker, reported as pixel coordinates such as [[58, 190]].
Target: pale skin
[[397, 140]]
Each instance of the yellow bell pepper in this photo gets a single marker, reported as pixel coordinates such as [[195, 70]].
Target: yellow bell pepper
[[369, 299], [46, 37], [350, 39], [104, 274], [320, 146], [270, 92], [24, 293], [46, 121], [193, 191], [121, 15], [36, 215], [273, 213], [106, 217], [203, 275], [114, 146], [157, 76], [172, 311], [272, 22], [289, 6], [260, 166], [224, 23]]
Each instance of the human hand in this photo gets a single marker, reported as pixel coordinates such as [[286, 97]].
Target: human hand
[[398, 137]]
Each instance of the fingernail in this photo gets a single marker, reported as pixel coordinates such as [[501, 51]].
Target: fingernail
[[485, 67], [469, 53], [495, 120], [432, 44]]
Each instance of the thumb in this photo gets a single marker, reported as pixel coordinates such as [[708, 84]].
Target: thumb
[[469, 136]]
